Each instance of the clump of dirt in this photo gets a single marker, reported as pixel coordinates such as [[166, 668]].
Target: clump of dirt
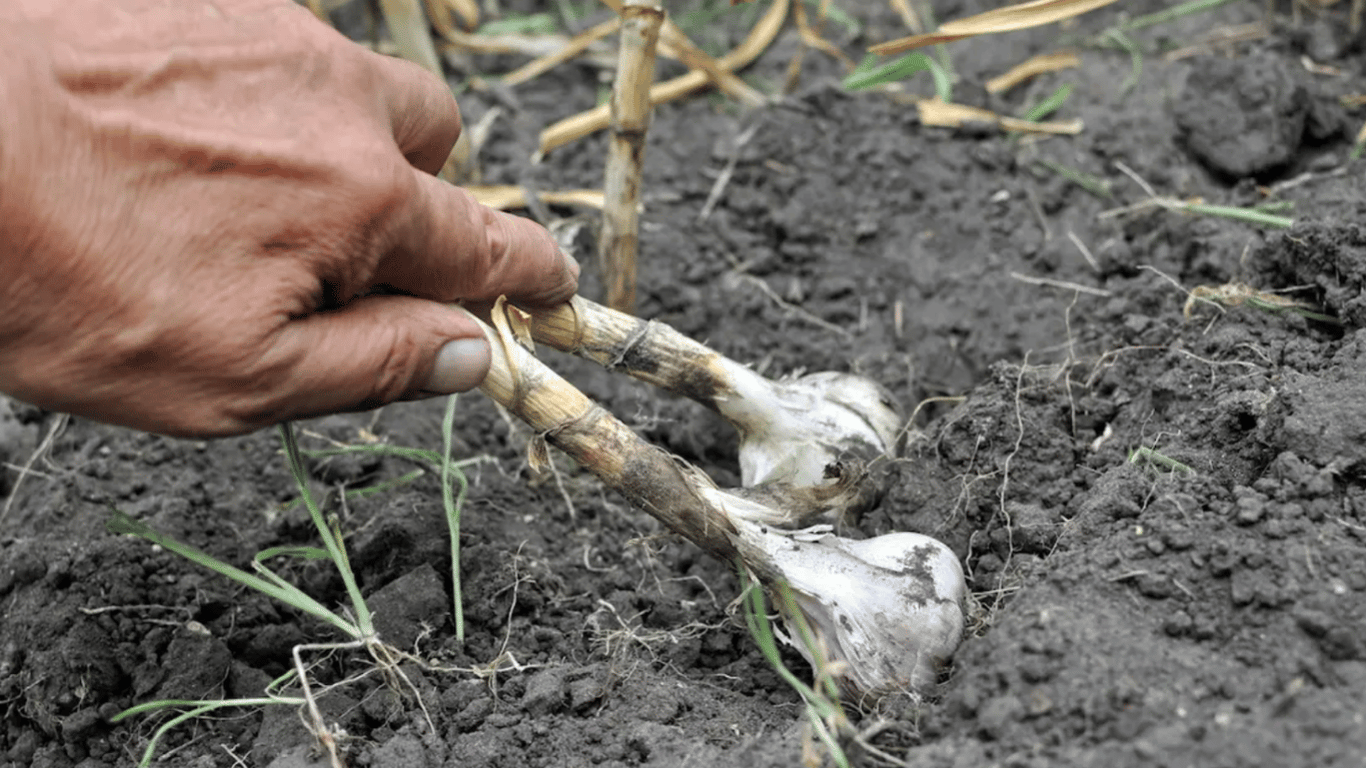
[[1162, 515]]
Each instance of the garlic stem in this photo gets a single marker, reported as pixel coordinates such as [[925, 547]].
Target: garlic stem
[[789, 430]]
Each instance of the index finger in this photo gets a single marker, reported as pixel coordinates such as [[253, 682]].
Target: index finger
[[450, 247], [423, 115]]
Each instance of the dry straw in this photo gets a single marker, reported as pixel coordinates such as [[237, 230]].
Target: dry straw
[[1008, 19], [620, 236], [596, 119]]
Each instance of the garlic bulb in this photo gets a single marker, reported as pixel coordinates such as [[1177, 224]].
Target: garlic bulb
[[890, 607], [791, 430]]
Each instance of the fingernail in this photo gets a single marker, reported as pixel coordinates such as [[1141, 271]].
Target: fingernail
[[460, 366]]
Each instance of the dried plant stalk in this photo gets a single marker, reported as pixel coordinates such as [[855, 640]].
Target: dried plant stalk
[[1008, 19], [574, 47], [506, 197], [887, 611], [441, 10], [697, 59], [647, 476], [620, 236], [790, 430], [1036, 65], [408, 25], [596, 119], [944, 115]]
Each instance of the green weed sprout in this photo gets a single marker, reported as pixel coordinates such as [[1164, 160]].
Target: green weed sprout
[[823, 711], [530, 24], [453, 502], [1149, 457], [360, 629], [452, 475], [1049, 105], [267, 582], [1092, 184], [1171, 14], [200, 708], [869, 73]]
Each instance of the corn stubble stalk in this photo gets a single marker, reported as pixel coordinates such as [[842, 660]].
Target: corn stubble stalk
[[620, 236], [696, 59], [596, 119], [888, 611]]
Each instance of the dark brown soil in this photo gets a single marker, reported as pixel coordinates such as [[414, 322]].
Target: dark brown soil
[[1128, 614]]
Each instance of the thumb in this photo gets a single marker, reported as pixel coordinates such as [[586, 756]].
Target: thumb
[[377, 350]]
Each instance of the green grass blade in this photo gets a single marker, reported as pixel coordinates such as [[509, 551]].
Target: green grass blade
[[160, 704], [1095, 185], [121, 523], [1172, 14], [331, 539], [1150, 457], [867, 75], [453, 503], [303, 553], [1248, 215], [386, 485], [198, 708], [1135, 59], [820, 709], [1049, 105]]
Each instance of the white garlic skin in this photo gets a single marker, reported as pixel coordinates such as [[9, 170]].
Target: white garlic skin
[[792, 429], [891, 607]]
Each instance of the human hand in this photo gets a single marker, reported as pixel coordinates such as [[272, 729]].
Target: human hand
[[197, 198]]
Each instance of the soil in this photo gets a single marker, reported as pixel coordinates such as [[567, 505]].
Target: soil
[[1161, 506]]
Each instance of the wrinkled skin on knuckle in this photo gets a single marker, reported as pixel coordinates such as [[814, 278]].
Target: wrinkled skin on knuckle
[[398, 374], [342, 248], [489, 261]]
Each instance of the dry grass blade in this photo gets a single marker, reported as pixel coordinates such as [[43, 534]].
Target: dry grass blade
[[938, 113], [676, 43], [1047, 62], [1013, 17], [407, 24], [811, 34], [620, 236], [508, 197], [596, 119], [577, 45], [441, 10], [908, 15], [460, 41]]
